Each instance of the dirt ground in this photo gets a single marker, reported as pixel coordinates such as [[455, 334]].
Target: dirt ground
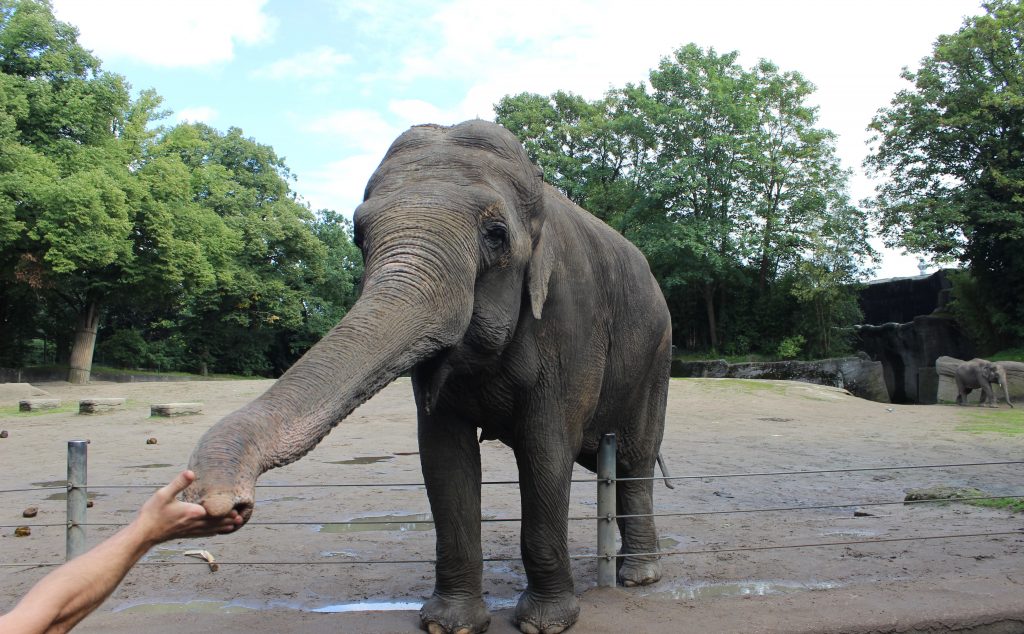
[[714, 427]]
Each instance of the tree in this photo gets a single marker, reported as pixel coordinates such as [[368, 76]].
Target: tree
[[721, 177], [69, 133], [951, 152]]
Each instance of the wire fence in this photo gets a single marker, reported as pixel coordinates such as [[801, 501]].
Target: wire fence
[[604, 517]]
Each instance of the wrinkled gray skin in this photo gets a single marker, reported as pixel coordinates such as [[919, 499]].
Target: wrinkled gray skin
[[520, 314], [980, 374]]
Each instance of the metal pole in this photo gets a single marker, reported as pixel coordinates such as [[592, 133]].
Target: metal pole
[[606, 512], [77, 497]]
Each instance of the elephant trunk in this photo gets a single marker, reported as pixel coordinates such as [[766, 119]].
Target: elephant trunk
[[397, 322]]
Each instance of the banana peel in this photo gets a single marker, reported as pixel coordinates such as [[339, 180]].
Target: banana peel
[[205, 556]]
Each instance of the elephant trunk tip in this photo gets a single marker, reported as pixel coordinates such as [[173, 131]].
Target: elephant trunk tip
[[221, 504]]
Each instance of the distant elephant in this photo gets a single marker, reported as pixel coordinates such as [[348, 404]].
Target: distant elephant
[[520, 314], [979, 373]]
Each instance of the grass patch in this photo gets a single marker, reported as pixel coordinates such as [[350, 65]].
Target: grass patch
[[944, 495], [1009, 422], [1010, 354], [1014, 505], [749, 386], [13, 411], [103, 369]]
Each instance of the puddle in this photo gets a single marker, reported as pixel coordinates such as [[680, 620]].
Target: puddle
[[850, 532], [407, 522], [155, 465], [232, 607], [363, 460], [164, 554], [370, 606], [51, 483], [741, 589], [286, 498], [339, 553], [191, 607], [63, 495], [492, 603]]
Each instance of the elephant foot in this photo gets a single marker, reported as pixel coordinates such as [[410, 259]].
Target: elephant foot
[[441, 615], [639, 572], [535, 615]]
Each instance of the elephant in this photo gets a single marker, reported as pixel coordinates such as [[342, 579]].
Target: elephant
[[519, 314], [979, 373]]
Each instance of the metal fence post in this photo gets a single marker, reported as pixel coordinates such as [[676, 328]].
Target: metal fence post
[[77, 497], [606, 512]]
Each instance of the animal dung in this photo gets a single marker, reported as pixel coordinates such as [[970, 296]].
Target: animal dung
[[3, 434], [22, 531], [30, 512], [151, 441], [88, 504]]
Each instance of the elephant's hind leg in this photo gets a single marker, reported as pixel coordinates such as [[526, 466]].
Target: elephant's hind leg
[[638, 563]]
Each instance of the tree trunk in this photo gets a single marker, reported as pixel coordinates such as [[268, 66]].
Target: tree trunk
[[709, 305], [85, 343]]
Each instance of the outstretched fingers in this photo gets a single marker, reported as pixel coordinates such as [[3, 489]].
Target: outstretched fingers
[[165, 517]]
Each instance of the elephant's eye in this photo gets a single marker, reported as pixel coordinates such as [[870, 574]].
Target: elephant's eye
[[495, 235]]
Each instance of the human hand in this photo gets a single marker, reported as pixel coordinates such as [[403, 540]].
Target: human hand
[[164, 517]]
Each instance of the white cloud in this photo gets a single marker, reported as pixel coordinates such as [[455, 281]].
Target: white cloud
[[321, 62], [360, 130], [339, 185], [197, 114], [414, 111], [184, 33]]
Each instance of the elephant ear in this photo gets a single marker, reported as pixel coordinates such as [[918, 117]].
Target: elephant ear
[[539, 273]]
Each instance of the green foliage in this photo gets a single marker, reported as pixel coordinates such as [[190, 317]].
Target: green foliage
[[720, 176], [791, 346], [1011, 354], [951, 151], [188, 241]]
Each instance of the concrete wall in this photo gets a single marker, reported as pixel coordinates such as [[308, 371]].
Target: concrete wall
[[861, 377]]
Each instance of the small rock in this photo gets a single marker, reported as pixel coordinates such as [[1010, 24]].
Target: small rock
[[862, 513], [3, 434], [88, 504], [22, 531], [30, 512], [151, 441]]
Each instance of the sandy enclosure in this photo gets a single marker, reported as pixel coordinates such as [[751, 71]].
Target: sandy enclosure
[[714, 427]]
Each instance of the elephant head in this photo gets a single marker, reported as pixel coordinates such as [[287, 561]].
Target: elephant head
[[1000, 378], [451, 230]]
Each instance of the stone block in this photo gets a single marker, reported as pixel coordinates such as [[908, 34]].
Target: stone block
[[99, 405], [38, 404], [175, 409]]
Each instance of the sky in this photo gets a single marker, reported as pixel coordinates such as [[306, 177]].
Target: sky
[[331, 83]]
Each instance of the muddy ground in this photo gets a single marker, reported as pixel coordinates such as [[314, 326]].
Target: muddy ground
[[714, 427]]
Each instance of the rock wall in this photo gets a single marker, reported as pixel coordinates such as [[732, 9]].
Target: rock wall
[[908, 352], [901, 299], [861, 377]]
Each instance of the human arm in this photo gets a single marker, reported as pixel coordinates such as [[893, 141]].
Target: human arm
[[68, 594]]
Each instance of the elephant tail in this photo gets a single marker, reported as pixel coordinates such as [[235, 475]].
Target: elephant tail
[[665, 474]]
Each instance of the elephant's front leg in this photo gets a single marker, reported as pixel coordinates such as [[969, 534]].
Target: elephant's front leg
[[545, 461], [450, 458]]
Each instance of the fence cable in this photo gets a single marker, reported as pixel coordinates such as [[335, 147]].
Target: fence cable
[[708, 551]]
